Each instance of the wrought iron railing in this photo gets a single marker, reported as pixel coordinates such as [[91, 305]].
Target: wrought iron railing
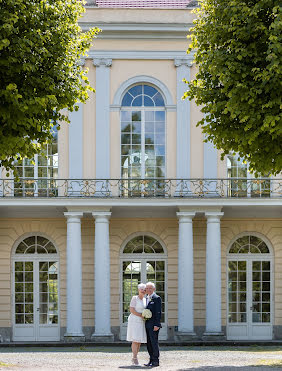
[[136, 188]]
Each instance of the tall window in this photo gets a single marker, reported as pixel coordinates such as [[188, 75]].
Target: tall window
[[39, 172], [143, 137], [242, 183]]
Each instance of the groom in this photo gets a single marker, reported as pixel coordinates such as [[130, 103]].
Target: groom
[[153, 325]]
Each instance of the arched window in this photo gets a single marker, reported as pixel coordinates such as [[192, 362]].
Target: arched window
[[249, 245], [36, 245], [143, 133], [143, 244]]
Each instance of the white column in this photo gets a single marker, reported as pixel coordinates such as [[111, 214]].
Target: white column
[[213, 274], [74, 277], [102, 278], [185, 274], [183, 163]]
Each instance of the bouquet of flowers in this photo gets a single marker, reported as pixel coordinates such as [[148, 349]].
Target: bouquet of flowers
[[146, 314]]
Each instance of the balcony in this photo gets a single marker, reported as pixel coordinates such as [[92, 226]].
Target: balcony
[[141, 188]]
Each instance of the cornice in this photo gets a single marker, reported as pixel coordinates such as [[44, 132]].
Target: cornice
[[139, 30], [176, 55]]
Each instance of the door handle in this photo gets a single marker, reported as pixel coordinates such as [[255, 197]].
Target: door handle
[[38, 309], [251, 308]]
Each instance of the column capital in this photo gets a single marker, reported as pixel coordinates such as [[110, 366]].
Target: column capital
[[213, 216], [178, 62], [106, 62], [73, 214], [101, 216], [185, 216]]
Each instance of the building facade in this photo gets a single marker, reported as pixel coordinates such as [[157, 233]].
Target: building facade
[[129, 192]]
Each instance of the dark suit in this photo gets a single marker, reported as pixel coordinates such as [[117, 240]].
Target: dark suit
[[155, 306]]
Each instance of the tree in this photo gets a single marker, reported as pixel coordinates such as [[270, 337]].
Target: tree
[[41, 45], [238, 51]]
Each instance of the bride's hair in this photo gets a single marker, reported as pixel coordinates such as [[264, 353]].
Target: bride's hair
[[141, 286]]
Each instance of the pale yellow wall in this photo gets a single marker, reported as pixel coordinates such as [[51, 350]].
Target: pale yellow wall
[[163, 70], [100, 15]]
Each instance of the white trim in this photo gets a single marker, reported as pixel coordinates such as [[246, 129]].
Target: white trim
[[141, 79], [139, 30], [141, 54], [89, 203]]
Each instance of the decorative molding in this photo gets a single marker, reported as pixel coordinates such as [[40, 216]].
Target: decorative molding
[[178, 62], [141, 54], [98, 62], [142, 79], [139, 30]]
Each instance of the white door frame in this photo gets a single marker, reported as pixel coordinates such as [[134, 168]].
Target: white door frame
[[249, 258], [35, 259]]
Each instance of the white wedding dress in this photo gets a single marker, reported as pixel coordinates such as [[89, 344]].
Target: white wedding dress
[[136, 325]]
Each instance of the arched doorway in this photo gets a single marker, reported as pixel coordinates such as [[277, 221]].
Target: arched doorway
[[143, 258], [35, 287], [249, 289]]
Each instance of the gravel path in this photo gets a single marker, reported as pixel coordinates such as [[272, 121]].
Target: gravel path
[[118, 358]]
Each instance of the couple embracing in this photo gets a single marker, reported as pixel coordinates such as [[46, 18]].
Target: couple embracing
[[144, 323]]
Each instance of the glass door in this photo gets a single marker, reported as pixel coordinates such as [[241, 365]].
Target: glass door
[[249, 300], [36, 301], [142, 270]]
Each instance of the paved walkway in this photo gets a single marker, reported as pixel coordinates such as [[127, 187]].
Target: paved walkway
[[249, 358]]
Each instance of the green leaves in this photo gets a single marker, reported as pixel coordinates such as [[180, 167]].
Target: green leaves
[[41, 44], [239, 81]]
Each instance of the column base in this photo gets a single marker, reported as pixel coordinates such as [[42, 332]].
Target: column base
[[74, 338], [184, 336], [213, 336], [102, 338]]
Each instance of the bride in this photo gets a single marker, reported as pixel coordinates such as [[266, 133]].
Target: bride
[[136, 326]]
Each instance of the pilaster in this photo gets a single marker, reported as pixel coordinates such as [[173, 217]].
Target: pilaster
[[102, 117], [183, 156]]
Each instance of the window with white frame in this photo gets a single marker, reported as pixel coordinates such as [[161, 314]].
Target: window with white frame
[[143, 133], [35, 176], [242, 183]]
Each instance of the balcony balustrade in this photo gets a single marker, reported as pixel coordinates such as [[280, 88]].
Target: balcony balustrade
[[138, 188]]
